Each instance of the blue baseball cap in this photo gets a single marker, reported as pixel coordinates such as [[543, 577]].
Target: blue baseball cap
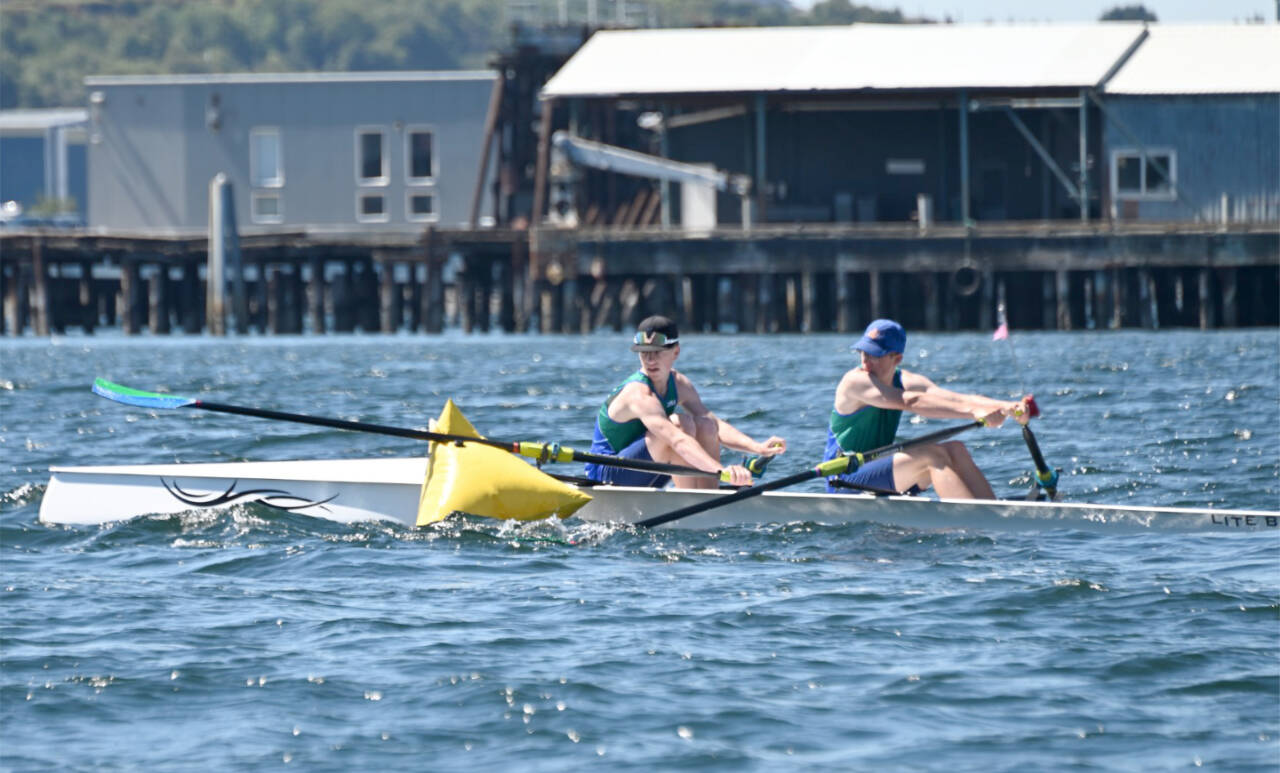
[[883, 336]]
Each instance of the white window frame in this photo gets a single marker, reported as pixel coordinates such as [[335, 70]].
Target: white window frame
[[256, 196], [1143, 194], [382, 217], [276, 181], [414, 217], [383, 179], [408, 155]]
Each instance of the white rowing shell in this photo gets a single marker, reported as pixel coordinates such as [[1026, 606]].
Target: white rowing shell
[[351, 490]]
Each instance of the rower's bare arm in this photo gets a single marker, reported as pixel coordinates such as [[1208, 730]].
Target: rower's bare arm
[[859, 388], [655, 419], [925, 398], [730, 436]]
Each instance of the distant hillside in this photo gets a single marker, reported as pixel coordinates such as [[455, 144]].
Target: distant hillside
[[47, 47]]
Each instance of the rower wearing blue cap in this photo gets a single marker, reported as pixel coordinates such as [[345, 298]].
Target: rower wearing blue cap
[[869, 403], [638, 420]]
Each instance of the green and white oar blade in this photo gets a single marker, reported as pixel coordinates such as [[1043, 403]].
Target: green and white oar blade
[[137, 397]]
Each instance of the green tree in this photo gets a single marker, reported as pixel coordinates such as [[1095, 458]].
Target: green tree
[[845, 12], [48, 47], [1128, 13]]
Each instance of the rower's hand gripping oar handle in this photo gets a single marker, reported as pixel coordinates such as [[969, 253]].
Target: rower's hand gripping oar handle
[[554, 452], [836, 466]]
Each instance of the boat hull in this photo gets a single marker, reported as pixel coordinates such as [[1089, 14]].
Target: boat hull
[[354, 490]]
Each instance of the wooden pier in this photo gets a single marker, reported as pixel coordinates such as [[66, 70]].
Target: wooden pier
[[1060, 276]]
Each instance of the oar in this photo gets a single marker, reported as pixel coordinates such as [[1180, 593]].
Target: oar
[[544, 452], [1047, 476], [837, 466]]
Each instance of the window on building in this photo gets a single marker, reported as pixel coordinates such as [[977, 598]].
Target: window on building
[[904, 166], [422, 207], [266, 161], [266, 207], [371, 157], [371, 208], [1138, 176], [420, 155]]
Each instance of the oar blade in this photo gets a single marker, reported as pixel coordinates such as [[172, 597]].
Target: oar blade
[[137, 397]]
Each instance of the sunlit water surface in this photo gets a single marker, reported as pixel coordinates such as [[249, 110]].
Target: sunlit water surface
[[245, 639]]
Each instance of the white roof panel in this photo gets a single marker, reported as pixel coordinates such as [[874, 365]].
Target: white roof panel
[[371, 76], [1203, 59], [40, 119], [855, 57]]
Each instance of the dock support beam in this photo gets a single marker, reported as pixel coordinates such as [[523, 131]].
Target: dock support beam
[[1207, 314], [40, 307], [1084, 156], [844, 303], [1063, 281], [873, 277], [86, 299], [315, 296], [158, 300], [1229, 293], [964, 159], [388, 303]]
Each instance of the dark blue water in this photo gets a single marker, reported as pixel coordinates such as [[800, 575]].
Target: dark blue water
[[247, 640]]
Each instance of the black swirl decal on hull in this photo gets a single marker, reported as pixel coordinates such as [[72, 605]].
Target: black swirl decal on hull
[[277, 499]]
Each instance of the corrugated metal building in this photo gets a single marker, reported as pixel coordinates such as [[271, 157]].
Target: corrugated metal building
[[345, 152], [978, 122], [1192, 126]]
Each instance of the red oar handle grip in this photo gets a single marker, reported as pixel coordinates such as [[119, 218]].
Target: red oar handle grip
[[1032, 407]]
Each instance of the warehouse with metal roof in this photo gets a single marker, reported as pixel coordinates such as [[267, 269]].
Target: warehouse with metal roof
[[953, 122]]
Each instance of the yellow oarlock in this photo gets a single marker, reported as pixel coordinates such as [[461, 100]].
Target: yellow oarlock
[[482, 480]]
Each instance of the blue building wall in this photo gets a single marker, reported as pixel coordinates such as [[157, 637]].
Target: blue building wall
[[21, 169], [22, 165], [1224, 144]]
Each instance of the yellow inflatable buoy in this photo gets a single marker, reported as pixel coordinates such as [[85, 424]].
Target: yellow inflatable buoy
[[482, 480]]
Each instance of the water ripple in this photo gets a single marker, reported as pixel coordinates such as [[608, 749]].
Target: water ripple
[[247, 638]]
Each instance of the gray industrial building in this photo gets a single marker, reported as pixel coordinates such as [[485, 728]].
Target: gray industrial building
[[320, 152], [972, 123]]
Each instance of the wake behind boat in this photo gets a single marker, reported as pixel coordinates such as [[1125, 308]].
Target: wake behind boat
[[354, 490]]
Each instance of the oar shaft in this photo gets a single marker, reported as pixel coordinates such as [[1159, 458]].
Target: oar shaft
[[837, 466], [728, 499], [355, 426], [893, 448], [533, 450], [1034, 447], [541, 451], [1047, 476]]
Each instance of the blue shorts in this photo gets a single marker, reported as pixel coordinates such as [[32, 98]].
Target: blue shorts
[[877, 474], [620, 476]]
